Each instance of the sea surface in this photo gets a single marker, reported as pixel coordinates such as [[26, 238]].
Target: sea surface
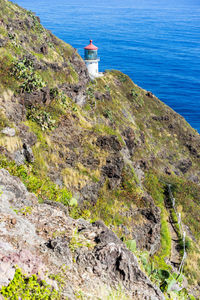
[[155, 42]]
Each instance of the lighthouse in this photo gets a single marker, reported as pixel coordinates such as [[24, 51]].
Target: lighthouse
[[92, 60]]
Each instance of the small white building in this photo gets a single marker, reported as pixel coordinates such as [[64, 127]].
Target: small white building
[[92, 60]]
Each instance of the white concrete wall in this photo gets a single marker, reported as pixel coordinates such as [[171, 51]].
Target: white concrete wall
[[93, 67]]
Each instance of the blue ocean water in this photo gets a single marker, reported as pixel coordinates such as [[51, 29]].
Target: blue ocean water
[[155, 42]]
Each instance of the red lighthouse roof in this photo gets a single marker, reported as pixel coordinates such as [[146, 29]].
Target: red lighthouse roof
[[91, 46]]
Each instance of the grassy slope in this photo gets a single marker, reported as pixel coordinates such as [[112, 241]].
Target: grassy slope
[[161, 136]]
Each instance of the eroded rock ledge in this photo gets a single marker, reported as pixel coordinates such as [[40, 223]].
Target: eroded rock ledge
[[42, 238]]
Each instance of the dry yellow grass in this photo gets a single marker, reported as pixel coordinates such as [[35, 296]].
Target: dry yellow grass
[[7, 95], [73, 179], [11, 143]]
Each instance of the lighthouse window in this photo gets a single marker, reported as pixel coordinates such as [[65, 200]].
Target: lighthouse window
[[90, 54]]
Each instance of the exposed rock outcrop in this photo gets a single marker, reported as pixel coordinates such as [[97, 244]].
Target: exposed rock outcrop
[[39, 97], [28, 240], [24, 155], [147, 234], [108, 143]]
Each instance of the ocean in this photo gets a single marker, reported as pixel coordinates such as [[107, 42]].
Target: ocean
[[155, 42]]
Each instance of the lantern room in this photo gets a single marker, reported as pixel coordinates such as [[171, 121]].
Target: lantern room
[[91, 52]]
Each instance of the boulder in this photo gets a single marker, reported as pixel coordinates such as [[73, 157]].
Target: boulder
[[59, 245], [130, 140], [147, 232], [113, 167], [28, 153], [150, 95], [184, 165], [110, 143], [24, 154], [26, 135], [44, 49], [8, 131], [2, 42], [112, 260], [39, 97]]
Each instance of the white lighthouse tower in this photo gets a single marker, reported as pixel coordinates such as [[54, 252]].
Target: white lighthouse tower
[[92, 61]]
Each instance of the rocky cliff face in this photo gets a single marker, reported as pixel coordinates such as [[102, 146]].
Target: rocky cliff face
[[98, 150], [39, 246]]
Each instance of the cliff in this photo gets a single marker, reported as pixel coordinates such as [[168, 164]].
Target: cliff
[[91, 211]]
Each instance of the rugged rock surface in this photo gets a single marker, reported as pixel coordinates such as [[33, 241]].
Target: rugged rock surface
[[8, 131], [109, 143], [24, 155], [38, 238], [37, 97], [106, 145], [147, 234]]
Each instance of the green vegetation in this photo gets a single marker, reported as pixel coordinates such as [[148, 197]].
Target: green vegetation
[[43, 188], [187, 194], [105, 293], [90, 92], [4, 122], [122, 78], [23, 287], [27, 210], [131, 245], [187, 197], [5, 70], [23, 71], [108, 114], [78, 240], [184, 192], [156, 189], [42, 118], [163, 278], [36, 22], [153, 140], [112, 206], [60, 97]]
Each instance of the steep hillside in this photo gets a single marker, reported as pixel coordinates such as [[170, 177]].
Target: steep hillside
[[105, 149]]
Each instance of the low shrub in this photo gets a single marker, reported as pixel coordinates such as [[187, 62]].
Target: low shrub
[[131, 245], [36, 22], [24, 287], [42, 118], [43, 188], [122, 78], [23, 71]]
